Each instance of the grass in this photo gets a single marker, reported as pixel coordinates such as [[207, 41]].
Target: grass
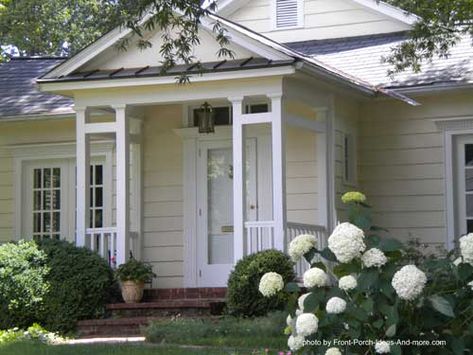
[[259, 333], [41, 349]]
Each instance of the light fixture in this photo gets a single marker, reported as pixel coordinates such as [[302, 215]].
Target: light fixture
[[206, 118]]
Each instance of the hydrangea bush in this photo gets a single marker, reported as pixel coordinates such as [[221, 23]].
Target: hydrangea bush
[[367, 293]]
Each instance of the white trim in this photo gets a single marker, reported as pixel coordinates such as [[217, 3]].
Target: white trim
[[101, 84], [389, 10]]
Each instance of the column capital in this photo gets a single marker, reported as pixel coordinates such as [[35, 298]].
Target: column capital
[[119, 107], [274, 95], [78, 108], [235, 99]]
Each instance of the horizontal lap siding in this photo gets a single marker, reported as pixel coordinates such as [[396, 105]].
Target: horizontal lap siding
[[402, 164], [45, 131], [163, 195]]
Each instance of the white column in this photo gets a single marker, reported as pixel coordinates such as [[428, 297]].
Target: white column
[[238, 135], [279, 172], [83, 176], [321, 151], [123, 184]]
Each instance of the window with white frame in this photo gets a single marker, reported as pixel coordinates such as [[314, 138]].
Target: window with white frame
[[96, 195], [288, 14], [349, 159]]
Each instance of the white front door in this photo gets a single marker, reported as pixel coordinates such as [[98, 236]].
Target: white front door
[[464, 184], [215, 208]]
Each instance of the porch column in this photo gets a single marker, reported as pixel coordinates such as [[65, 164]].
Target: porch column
[[279, 171], [83, 176], [123, 183], [238, 135]]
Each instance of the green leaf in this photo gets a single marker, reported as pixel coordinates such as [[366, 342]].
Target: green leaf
[[441, 305], [465, 271], [320, 265], [391, 331], [367, 279], [328, 255], [368, 305], [378, 323], [292, 287], [311, 302], [390, 244]]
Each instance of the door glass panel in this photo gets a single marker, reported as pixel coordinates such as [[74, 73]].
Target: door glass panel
[[469, 226], [469, 205], [96, 196], [469, 154], [220, 206], [469, 179]]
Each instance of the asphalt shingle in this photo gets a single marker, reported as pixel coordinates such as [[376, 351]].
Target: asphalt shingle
[[19, 93]]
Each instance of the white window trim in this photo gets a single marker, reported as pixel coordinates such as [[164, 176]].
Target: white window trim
[[25, 153], [452, 127], [300, 17]]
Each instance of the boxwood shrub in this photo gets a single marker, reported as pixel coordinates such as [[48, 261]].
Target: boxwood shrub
[[243, 297], [80, 285], [23, 285]]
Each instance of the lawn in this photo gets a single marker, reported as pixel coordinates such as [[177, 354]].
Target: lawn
[[39, 349]]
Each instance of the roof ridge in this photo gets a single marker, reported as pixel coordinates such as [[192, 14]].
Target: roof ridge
[[38, 58]]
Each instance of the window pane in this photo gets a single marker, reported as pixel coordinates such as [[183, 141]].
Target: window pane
[[91, 197], [47, 178], [56, 225], [98, 197], [98, 218], [56, 177], [46, 222], [469, 179], [37, 178], [469, 205], [468, 154], [36, 200], [259, 108], [56, 199], [469, 227], [98, 174], [46, 200], [91, 177], [36, 222]]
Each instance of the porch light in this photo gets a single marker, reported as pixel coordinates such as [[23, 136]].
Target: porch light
[[206, 118]]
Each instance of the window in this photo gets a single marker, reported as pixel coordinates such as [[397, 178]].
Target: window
[[46, 210], [349, 159], [96, 196], [257, 108], [288, 13]]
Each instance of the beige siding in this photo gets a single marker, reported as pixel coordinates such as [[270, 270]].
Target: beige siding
[[162, 195], [322, 19], [401, 165]]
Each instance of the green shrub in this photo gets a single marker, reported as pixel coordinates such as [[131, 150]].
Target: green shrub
[[35, 333], [244, 298], [23, 285], [80, 281], [134, 270]]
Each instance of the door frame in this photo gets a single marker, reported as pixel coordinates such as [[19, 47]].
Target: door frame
[[191, 139]]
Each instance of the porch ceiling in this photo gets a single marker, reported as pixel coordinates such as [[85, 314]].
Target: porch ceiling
[[157, 71]]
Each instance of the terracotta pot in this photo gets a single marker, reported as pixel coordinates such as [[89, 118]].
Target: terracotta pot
[[132, 291]]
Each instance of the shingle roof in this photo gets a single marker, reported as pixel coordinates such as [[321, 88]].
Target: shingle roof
[[19, 94], [362, 57]]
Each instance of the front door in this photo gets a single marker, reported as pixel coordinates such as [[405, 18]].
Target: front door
[[215, 209]]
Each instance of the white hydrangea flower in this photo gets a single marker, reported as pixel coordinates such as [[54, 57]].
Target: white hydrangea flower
[[409, 282], [347, 242], [457, 261], [470, 284], [347, 283], [299, 312], [301, 245], [289, 320], [333, 351], [295, 342], [315, 277], [382, 347], [301, 299], [270, 284], [466, 248], [336, 305], [307, 324], [373, 258]]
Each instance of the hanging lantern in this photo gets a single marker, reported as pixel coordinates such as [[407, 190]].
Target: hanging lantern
[[206, 118]]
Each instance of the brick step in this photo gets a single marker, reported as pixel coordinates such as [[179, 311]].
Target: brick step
[[184, 293], [133, 326], [166, 308]]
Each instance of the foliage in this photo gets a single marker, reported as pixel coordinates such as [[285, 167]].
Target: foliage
[[53, 27], [23, 285], [243, 298], [80, 282], [439, 26], [134, 270], [377, 309], [228, 331], [34, 333]]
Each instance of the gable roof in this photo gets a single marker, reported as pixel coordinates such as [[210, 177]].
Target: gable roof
[[19, 94], [362, 57]]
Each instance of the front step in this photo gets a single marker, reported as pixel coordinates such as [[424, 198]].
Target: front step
[[130, 319]]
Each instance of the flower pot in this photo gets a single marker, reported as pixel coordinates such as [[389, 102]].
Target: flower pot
[[132, 291]]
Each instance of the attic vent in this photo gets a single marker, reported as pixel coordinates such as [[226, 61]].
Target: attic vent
[[288, 13]]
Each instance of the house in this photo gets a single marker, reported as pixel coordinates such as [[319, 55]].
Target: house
[[104, 150]]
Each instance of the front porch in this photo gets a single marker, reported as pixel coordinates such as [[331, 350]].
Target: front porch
[[164, 200]]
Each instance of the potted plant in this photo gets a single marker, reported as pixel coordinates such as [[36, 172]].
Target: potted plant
[[132, 276]]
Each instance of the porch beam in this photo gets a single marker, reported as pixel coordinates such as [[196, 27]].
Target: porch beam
[[279, 171], [123, 184], [256, 118], [83, 175], [238, 137], [104, 127]]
